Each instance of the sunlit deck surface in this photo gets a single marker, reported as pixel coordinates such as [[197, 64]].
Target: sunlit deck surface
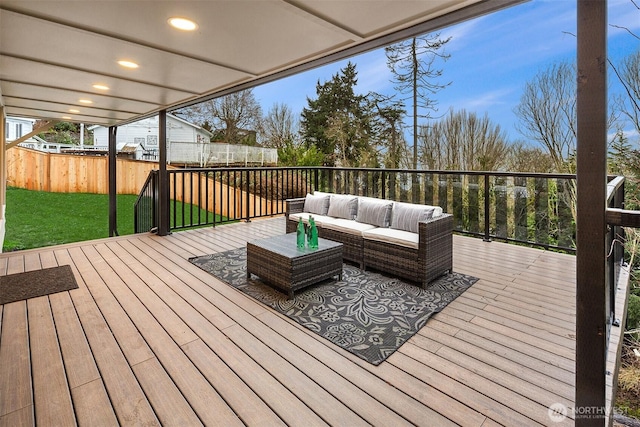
[[148, 339]]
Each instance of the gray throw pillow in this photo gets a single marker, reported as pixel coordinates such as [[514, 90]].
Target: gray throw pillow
[[374, 212], [406, 216], [316, 204], [343, 206]]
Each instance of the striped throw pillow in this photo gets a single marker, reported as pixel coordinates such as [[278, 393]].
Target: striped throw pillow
[[343, 206], [374, 212], [405, 216], [316, 204]]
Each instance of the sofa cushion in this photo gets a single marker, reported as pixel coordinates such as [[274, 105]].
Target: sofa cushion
[[405, 216], [374, 211], [348, 226], [343, 206], [320, 220], [393, 236], [316, 204]]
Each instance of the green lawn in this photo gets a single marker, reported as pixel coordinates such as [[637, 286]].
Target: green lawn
[[36, 218]]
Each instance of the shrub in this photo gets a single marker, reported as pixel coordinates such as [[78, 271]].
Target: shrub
[[633, 312]]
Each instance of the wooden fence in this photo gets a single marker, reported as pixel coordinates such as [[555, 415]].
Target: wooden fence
[[68, 173]]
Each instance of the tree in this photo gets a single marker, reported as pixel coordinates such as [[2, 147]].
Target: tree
[[387, 117], [279, 127], [547, 112], [463, 141], [412, 63], [629, 75], [62, 133], [234, 118], [336, 104], [292, 154], [524, 158], [350, 135]]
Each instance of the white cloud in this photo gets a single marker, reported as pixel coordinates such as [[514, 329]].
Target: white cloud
[[373, 73], [484, 101], [461, 34], [622, 13]]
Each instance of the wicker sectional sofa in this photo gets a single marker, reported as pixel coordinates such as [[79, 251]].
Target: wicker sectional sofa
[[411, 241]]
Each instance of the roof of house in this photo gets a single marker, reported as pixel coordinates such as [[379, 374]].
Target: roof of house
[[169, 116]]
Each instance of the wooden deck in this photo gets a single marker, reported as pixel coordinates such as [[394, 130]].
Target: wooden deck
[[149, 339]]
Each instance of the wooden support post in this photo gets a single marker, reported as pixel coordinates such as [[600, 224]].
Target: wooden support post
[[591, 321], [113, 208], [163, 181]]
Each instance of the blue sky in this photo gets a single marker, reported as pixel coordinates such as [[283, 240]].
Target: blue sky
[[492, 58]]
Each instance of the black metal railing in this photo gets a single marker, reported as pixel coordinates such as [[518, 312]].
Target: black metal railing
[[527, 208], [213, 196], [145, 210], [201, 197]]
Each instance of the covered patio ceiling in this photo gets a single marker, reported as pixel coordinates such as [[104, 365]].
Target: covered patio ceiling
[[53, 53]]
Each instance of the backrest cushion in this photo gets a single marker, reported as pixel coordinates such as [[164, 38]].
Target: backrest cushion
[[316, 204], [405, 216], [374, 211], [343, 206]]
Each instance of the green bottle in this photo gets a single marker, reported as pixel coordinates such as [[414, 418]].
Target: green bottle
[[300, 234], [313, 234]]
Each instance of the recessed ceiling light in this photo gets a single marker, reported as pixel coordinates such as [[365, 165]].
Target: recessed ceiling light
[[183, 24], [74, 111], [128, 64], [100, 87], [85, 101], [66, 117]]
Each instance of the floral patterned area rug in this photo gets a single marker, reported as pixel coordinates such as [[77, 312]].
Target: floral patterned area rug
[[367, 313]]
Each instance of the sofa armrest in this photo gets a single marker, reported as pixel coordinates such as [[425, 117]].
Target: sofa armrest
[[294, 206], [436, 240], [433, 228]]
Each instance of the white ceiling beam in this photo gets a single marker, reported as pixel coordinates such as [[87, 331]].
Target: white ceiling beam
[[37, 61], [324, 21], [94, 31]]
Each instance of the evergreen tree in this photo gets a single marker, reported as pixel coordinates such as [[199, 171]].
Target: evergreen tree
[[336, 122], [387, 116]]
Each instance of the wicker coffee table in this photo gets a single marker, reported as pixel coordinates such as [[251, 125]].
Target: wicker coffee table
[[279, 262]]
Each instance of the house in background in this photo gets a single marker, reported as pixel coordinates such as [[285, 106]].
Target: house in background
[[187, 145], [20, 126], [187, 142], [17, 127]]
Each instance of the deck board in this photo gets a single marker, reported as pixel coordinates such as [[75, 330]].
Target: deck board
[[52, 396], [150, 339], [126, 397], [209, 406], [15, 362]]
